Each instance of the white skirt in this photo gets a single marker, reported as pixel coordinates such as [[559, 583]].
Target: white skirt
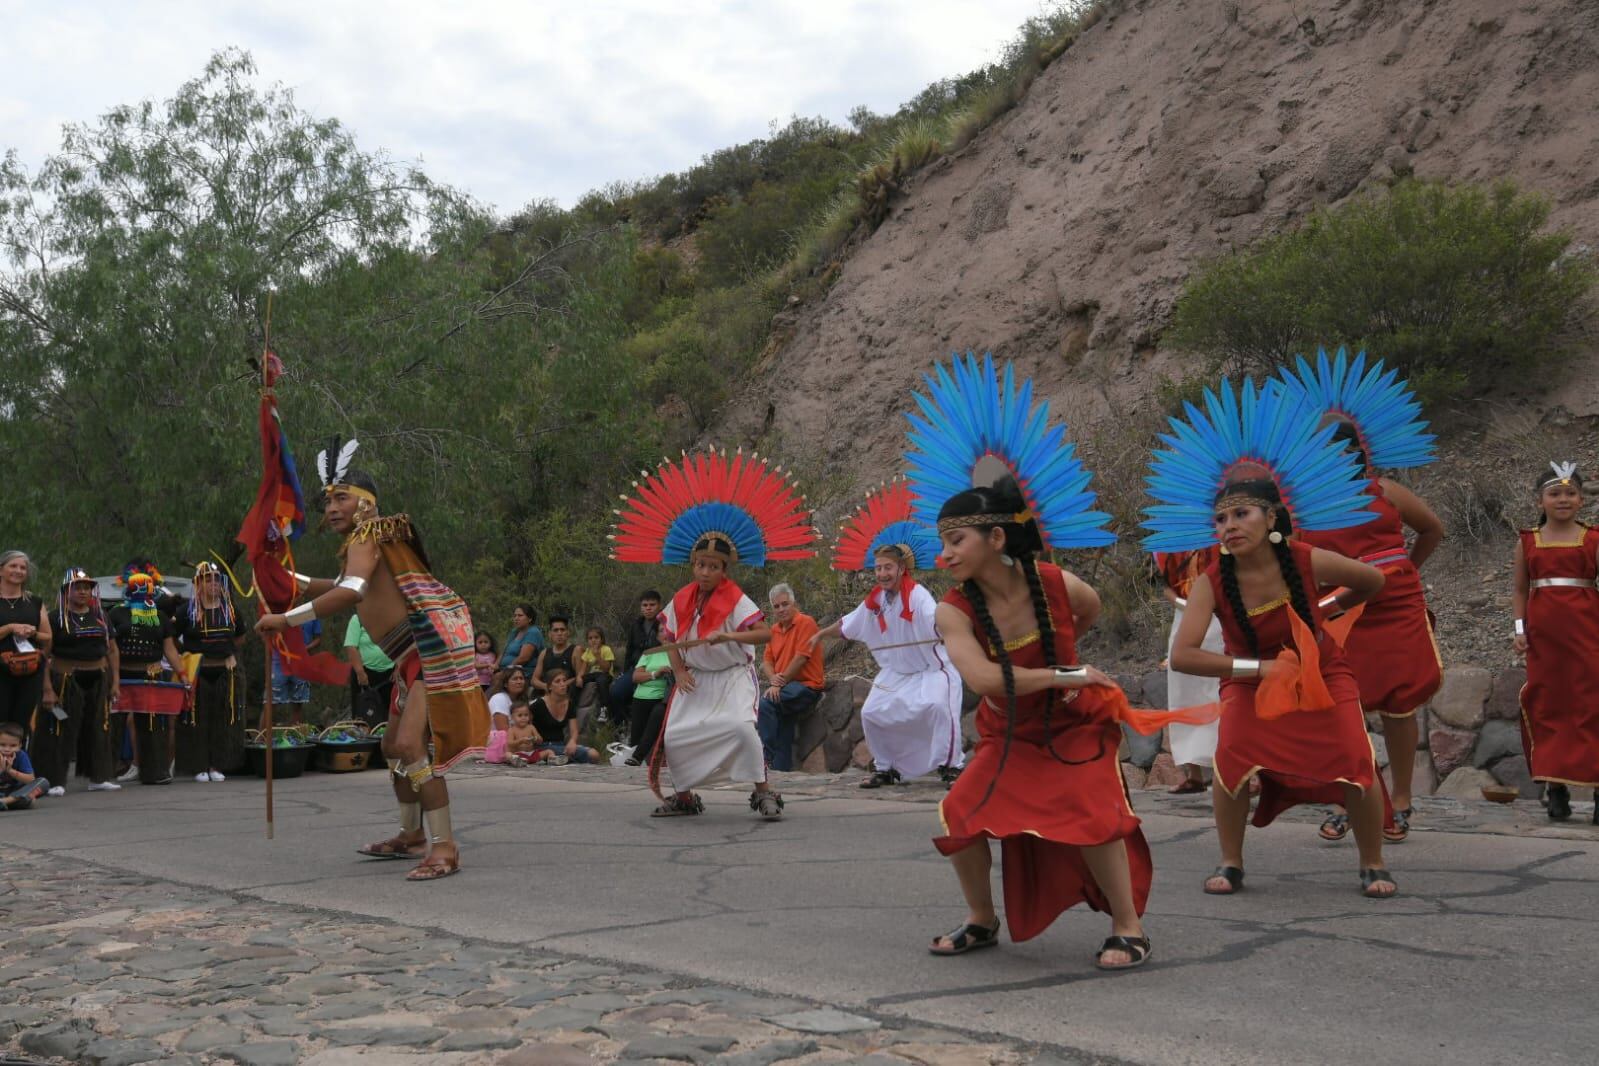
[[710, 736], [913, 721], [1195, 744]]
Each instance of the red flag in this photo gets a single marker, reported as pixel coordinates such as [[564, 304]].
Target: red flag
[[274, 522]]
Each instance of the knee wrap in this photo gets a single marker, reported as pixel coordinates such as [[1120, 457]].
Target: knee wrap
[[418, 773]]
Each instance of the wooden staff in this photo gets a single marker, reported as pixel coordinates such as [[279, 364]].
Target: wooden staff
[[266, 729]]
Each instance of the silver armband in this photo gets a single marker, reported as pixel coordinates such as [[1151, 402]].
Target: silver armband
[[1245, 668], [302, 582], [299, 616], [1071, 673], [1521, 628], [356, 585]]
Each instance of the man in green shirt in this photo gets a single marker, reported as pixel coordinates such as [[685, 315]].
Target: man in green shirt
[[651, 677], [371, 674]]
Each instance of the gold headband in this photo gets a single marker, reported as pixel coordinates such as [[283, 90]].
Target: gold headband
[[1020, 518], [903, 550], [354, 490], [1240, 499], [702, 546]]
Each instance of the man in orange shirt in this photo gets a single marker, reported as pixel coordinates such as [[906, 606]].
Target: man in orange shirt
[[794, 677]]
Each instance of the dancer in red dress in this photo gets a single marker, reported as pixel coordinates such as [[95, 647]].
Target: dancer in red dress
[[1557, 629], [1044, 780], [1246, 471], [1391, 647]]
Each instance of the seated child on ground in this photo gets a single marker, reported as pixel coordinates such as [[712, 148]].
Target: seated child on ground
[[18, 785], [523, 743]]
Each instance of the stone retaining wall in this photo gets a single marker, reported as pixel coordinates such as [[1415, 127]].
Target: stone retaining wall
[[1470, 734]]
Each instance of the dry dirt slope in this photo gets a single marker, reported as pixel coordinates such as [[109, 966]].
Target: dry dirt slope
[[1171, 132]]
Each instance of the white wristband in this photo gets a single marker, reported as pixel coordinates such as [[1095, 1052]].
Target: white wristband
[[1244, 668], [1521, 628], [299, 616]]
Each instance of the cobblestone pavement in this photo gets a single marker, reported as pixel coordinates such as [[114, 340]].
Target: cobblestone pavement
[[111, 969]]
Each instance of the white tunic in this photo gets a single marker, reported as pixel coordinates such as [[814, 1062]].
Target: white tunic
[[710, 736], [912, 716], [1194, 744]]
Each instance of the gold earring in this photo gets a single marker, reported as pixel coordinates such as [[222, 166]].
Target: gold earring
[[1224, 550]]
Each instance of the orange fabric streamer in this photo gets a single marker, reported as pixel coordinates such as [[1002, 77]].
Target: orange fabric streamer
[[1338, 628], [1150, 722], [1295, 682]]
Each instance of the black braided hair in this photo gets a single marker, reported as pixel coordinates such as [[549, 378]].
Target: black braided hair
[[1545, 476], [1046, 636], [1265, 489]]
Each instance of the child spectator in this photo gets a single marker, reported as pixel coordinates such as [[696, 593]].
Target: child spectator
[[524, 745], [650, 678], [18, 785], [485, 660], [596, 662]]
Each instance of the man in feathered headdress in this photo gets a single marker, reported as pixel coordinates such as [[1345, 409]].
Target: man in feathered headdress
[[425, 628]]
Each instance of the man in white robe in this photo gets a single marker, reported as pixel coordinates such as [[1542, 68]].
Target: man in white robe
[[912, 716]]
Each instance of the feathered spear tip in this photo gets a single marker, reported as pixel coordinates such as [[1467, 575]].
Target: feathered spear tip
[[710, 491], [885, 518]]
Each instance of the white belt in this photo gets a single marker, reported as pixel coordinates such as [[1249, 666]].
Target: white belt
[[1562, 583]]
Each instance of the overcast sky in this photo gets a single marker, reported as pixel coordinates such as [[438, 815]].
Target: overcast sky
[[510, 101]]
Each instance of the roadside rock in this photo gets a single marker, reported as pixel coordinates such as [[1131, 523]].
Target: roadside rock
[[1463, 697], [1466, 783]]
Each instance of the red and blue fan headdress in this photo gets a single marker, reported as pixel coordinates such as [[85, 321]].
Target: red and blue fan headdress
[[885, 520], [1379, 404], [1254, 432], [973, 416], [754, 508]]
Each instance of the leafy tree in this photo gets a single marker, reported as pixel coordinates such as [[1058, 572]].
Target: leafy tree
[[1456, 285]]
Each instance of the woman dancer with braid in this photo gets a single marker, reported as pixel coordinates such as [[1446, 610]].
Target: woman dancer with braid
[[1044, 779], [1260, 587]]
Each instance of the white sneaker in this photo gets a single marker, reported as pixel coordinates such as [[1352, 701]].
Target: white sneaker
[[56, 790], [104, 786], [132, 774], [202, 776], [216, 775]]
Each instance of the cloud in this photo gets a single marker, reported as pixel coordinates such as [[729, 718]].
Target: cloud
[[511, 102]]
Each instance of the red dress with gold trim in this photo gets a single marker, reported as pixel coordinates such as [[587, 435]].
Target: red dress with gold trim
[[1391, 648], [1045, 807], [1560, 701], [1303, 756]]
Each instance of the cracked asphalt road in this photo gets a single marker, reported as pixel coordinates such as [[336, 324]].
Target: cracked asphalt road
[[1485, 957]]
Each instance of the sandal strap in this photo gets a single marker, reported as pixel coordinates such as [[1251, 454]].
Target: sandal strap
[[1137, 947]]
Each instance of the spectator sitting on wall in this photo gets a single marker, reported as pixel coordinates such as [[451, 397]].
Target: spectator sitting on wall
[[524, 642], [559, 652], [794, 677], [642, 635]]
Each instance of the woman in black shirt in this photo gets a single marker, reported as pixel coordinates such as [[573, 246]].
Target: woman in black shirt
[[24, 640], [555, 719], [77, 688], [210, 736]]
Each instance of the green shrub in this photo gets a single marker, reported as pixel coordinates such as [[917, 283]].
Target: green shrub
[[1456, 285]]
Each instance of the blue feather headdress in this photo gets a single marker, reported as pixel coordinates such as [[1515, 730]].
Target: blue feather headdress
[[1384, 411], [971, 415], [1268, 432]]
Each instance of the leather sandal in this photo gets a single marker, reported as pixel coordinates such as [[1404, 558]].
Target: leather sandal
[[1396, 833], [1336, 827], [1371, 876], [1137, 947], [1233, 875], [394, 848], [967, 937], [433, 868]]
